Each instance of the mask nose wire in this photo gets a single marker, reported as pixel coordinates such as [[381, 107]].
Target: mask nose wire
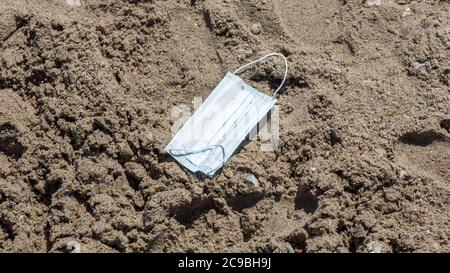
[[240, 69]]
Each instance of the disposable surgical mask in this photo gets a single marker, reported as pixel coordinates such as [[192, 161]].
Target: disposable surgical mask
[[212, 134]]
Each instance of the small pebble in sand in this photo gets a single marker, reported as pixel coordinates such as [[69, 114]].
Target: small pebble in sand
[[418, 65], [406, 12], [251, 180], [402, 174], [289, 248], [149, 136], [73, 247], [443, 37], [374, 247], [73, 2], [256, 28], [373, 2]]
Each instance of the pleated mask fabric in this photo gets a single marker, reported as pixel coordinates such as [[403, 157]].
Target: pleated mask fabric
[[216, 129]]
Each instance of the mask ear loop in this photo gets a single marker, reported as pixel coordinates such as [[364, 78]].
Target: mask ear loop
[[183, 152], [240, 69]]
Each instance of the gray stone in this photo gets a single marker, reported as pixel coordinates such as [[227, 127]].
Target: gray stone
[[374, 247], [373, 3], [418, 65], [73, 247], [256, 28], [289, 248], [76, 3], [403, 174], [251, 180]]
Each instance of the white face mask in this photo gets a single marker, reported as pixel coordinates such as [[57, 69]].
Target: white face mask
[[221, 123]]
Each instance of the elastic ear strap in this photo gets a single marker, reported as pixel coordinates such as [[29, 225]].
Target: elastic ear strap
[[183, 152], [240, 69]]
